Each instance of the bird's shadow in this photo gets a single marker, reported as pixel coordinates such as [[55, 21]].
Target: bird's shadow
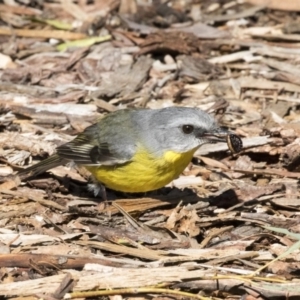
[[167, 195]]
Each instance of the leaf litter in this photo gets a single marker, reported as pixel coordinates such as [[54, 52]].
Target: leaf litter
[[228, 227]]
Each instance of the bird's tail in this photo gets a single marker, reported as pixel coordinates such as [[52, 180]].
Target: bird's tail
[[41, 167]]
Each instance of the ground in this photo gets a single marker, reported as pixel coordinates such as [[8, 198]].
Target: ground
[[228, 227]]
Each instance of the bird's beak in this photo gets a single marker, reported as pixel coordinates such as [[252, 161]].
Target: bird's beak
[[233, 141], [216, 135]]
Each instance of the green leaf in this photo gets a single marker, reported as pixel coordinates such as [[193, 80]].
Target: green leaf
[[83, 43]]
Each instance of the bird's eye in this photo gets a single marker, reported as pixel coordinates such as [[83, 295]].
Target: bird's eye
[[187, 129]]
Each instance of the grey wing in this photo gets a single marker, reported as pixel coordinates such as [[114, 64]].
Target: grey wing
[[111, 141], [87, 149]]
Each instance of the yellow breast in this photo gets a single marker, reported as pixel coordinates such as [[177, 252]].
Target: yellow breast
[[144, 172]]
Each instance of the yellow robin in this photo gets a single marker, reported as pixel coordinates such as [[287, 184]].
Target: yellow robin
[[139, 150]]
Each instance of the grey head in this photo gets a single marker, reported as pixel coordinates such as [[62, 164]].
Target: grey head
[[179, 129]]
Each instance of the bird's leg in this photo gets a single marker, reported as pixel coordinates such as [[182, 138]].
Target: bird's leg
[[99, 189], [103, 192], [96, 188]]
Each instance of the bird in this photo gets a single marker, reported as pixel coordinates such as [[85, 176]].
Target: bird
[[139, 150]]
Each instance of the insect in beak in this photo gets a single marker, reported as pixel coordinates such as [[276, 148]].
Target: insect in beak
[[233, 141]]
